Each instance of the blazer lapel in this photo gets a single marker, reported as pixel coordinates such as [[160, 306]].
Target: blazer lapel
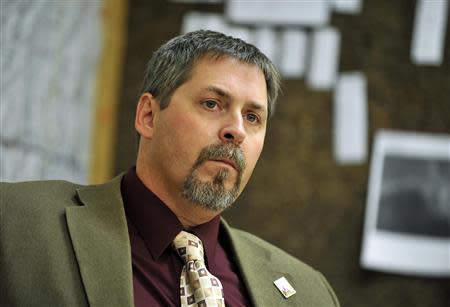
[[254, 264], [99, 234]]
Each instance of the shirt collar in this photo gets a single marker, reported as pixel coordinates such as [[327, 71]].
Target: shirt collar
[[156, 223]]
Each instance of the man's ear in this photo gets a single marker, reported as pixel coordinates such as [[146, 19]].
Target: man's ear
[[146, 111]]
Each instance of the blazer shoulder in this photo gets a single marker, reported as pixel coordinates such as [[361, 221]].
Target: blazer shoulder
[[302, 273], [37, 195], [53, 194], [39, 186], [277, 254]]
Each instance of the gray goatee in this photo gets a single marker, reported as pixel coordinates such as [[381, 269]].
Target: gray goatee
[[213, 195]]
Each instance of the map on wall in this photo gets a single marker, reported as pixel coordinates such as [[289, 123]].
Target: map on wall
[[49, 58]]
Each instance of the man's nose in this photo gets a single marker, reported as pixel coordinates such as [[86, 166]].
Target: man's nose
[[233, 130]]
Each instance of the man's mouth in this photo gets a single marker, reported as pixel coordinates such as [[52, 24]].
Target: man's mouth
[[226, 161], [226, 154]]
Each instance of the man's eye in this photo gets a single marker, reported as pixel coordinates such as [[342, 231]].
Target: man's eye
[[210, 104], [252, 118]]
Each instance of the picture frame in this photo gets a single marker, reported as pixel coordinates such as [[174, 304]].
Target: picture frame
[[407, 220]]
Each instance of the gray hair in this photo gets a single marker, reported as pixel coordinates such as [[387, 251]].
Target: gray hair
[[171, 65]]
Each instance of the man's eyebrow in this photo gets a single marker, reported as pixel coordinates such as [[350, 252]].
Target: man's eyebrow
[[221, 92], [256, 106]]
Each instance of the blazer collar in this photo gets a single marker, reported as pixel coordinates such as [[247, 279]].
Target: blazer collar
[[99, 234], [254, 263]]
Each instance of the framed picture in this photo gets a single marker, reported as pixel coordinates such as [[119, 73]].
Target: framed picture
[[407, 222]]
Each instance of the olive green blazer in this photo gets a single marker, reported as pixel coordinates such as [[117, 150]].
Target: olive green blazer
[[63, 244]]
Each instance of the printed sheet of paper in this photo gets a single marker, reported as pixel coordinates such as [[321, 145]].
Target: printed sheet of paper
[[430, 23], [265, 39], [347, 6], [293, 45], [350, 118], [193, 21], [305, 13], [325, 44]]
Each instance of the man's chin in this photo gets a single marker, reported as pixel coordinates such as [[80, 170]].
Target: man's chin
[[209, 195]]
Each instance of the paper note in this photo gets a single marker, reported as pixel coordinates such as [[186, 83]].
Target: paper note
[[293, 46], [306, 13], [193, 21], [429, 32], [265, 39], [324, 58], [347, 6], [350, 118]]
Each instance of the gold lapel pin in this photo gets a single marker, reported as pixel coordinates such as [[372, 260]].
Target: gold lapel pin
[[285, 287]]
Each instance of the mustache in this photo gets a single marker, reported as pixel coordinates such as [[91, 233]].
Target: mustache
[[228, 151]]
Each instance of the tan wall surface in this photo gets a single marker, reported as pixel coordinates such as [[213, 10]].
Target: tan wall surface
[[299, 198]]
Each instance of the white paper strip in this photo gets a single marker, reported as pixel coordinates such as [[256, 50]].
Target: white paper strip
[[307, 13], [324, 58], [193, 21], [266, 40], [347, 6], [429, 32], [293, 46], [350, 118]]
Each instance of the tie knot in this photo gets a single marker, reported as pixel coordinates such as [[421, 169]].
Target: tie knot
[[188, 246]]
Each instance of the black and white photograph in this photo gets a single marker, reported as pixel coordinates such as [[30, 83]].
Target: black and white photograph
[[406, 227], [415, 196]]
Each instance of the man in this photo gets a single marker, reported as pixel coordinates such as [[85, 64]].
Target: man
[[202, 120]]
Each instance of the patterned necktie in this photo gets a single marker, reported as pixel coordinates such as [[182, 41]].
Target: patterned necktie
[[198, 287]]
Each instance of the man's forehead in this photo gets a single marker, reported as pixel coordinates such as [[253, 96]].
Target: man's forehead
[[211, 59], [208, 62]]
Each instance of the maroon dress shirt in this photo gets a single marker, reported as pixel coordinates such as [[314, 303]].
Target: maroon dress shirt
[[152, 226]]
